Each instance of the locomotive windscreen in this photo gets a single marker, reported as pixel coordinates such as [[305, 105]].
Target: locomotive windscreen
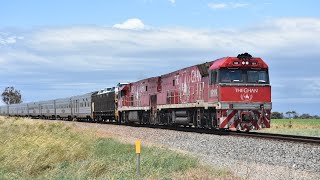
[[243, 76]]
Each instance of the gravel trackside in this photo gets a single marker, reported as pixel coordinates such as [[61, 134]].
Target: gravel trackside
[[248, 158]]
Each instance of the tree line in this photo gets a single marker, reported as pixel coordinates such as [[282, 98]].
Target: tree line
[[292, 115]]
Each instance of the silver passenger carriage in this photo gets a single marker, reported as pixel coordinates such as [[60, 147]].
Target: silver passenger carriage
[[22, 110], [4, 110], [13, 110], [81, 106], [47, 109], [34, 109], [63, 108]]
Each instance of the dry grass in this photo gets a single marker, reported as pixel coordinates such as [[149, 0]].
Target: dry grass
[[39, 150], [306, 127]]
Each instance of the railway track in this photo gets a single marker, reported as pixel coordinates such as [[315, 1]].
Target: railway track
[[269, 136], [281, 137]]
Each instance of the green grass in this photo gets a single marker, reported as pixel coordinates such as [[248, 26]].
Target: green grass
[[39, 150], [305, 127]]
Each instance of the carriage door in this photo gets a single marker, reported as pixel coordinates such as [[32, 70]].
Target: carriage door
[[92, 108], [153, 109], [77, 106]]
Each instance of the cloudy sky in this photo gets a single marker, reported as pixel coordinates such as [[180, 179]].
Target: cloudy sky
[[53, 49]]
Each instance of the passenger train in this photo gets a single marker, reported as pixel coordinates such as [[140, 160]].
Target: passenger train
[[232, 93]]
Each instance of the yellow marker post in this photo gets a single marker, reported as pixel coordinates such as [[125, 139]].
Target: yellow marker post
[[138, 156], [138, 146]]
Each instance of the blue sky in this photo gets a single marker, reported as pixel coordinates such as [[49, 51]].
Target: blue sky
[[53, 49]]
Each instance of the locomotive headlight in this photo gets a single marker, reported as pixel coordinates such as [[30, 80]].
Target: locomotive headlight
[[247, 63], [243, 63]]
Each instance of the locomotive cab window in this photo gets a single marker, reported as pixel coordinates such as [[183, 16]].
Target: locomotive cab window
[[257, 76], [122, 93], [213, 77], [230, 76]]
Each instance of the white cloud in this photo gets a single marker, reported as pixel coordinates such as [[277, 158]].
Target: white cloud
[[230, 5], [102, 48], [172, 1], [217, 5], [238, 5], [133, 23], [81, 46], [7, 40]]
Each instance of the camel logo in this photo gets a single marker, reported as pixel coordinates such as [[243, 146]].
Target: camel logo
[[246, 97], [246, 94]]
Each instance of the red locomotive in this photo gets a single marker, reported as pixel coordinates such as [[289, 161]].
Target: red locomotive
[[229, 93]]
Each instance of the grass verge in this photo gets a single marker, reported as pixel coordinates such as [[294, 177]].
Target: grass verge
[[39, 150], [304, 127]]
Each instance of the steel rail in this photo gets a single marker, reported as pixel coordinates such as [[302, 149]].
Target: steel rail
[[282, 137], [261, 135]]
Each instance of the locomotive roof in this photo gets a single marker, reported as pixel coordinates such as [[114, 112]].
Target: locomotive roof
[[225, 62], [228, 62]]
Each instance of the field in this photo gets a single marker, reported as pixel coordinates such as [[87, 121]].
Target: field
[[305, 127], [40, 150]]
